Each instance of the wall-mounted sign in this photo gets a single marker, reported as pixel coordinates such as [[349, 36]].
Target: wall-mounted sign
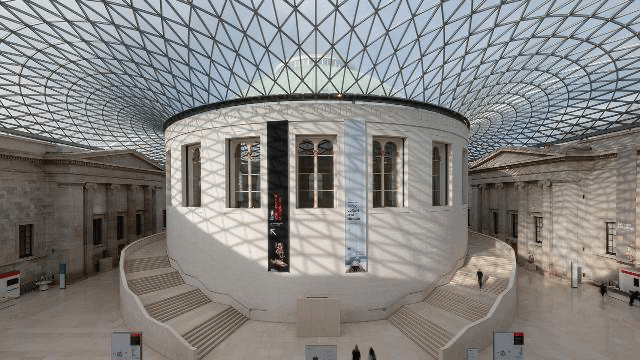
[[278, 195], [355, 174], [321, 352], [126, 346], [508, 346]]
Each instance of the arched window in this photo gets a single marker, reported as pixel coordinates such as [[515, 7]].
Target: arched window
[[245, 173], [192, 185], [315, 173], [388, 167], [435, 176]]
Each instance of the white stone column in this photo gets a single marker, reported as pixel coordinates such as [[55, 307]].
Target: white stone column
[[130, 221], [484, 209], [523, 219], [110, 225], [476, 208], [502, 209], [547, 222]]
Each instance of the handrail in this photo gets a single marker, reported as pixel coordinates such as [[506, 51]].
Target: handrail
[[438, 279], [246, 308]]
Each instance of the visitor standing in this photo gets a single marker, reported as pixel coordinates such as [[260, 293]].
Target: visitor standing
[[355, 353], [479, 274], [603, 289], [372, 355]]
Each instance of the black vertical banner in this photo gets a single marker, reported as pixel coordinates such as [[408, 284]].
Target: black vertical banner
[[278, 210]]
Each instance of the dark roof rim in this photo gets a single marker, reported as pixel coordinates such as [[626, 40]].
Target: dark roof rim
[[308, 97]]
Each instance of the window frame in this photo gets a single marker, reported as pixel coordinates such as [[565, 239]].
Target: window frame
[[24, 254], [513, 218], [97, 231], [120, 230], [440, 194], [399, 168], [610, 237], [316, 139], [192, 195], [538, 230], [230, 145]]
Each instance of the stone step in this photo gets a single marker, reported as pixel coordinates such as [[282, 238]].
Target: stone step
[[492, 285], [156, 296], [153, 283], [206, 336], [143, 264], [191, 319], [446, 320], [148, 273], [418, 330], [177, 305], [459, 305]]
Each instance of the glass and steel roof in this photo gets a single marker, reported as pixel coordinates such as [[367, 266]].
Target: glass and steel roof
[[108, 73]]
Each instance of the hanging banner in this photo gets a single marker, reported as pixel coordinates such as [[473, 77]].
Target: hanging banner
[[278, 195], [355, 170]]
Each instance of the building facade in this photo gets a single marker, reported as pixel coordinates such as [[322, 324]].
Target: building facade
[[562, 204], [59, 205]]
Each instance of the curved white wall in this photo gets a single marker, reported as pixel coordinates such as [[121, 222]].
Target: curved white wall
[[408, 247]]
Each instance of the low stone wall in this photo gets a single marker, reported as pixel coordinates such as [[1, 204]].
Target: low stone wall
[[479, 334], [159, 336]]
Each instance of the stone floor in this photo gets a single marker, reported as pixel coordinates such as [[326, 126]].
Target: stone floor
[[558, 322]]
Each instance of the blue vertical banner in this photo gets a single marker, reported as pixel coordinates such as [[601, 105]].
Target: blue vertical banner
[[278, 195], [355, 176]]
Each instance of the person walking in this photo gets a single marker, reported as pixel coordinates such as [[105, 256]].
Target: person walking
[[355, 353], [372, 355], [479, 274], [603, 289]]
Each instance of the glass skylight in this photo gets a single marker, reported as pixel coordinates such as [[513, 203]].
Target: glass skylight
[[107, 74]]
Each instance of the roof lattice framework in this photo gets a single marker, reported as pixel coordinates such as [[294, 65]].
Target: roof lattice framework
[[108, 73]]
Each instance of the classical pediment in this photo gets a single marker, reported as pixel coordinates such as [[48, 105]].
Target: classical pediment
[[122, 158], [508, 157]]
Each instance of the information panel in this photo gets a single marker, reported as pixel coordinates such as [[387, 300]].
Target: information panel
[[278, 195], [321, 352], [508, 345], [126, 346], [355, 155]]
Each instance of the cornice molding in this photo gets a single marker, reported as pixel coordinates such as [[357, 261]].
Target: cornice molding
[[74, 162], [553, 160]]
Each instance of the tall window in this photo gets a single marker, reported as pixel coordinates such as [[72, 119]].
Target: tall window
[[192, 172], [97, 231], [119, 227], [495, 221], [25, 240], [244, 189], [538, 224], [138, 224], [514, 225], [440, 174], [610, 229], [315, 172], [388, 169]]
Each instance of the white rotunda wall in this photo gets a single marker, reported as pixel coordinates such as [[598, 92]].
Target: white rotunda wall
[[408, 247]]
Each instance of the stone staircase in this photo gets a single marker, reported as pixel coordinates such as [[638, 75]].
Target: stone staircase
[[427, 335], [185, 308], [432, 323]]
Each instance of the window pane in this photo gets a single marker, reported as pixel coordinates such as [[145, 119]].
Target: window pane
[[305, 182], [325, 164], [389, 182], [243, 166], [255, 182], [390, 198], [376, 157], [305, 199], [377, 199], [243, 183], [305, 164], [325, 147], [377, 183], [242, 200], [325, 181], [305, 148], [325, 199], [255, 199], [389, 155]]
